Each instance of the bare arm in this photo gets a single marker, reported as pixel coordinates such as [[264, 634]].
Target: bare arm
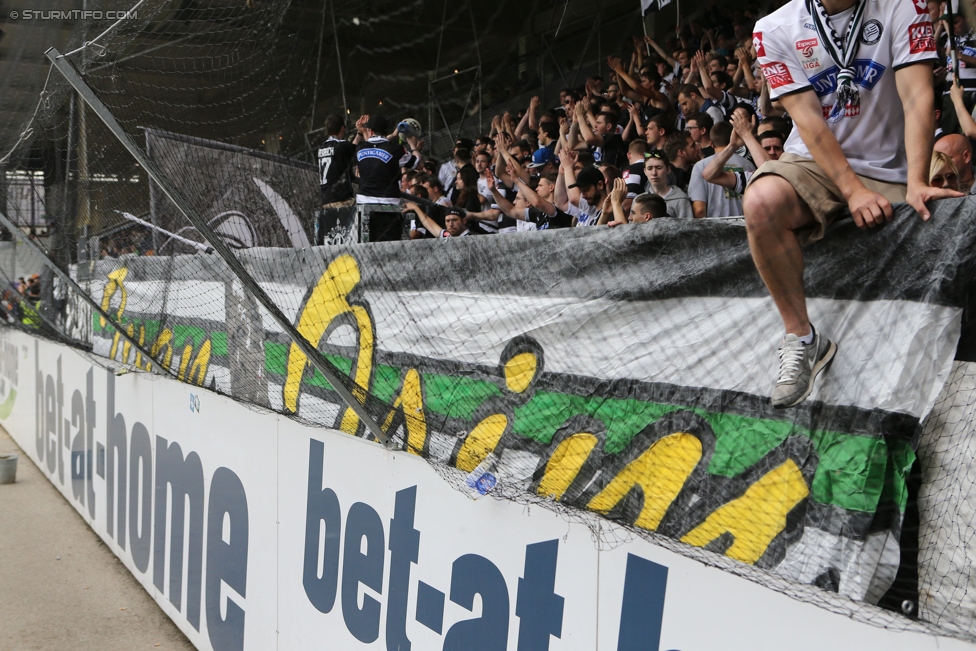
[[966, 122], [562, 194], [706, 81], [589, 137], [503, 204], [716, 173], [742, 129], [660, 50], [432, 227], [535, 200], [633, 124], [617, 196], [868, 208], [914, 84]]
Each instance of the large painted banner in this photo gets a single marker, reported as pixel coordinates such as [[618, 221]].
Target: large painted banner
[[254, 531], [249, 197], [620, 372]]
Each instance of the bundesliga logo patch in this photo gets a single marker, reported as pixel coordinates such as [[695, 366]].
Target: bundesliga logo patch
[[777, 74], [758, 44], [921, 38], [805, 47]]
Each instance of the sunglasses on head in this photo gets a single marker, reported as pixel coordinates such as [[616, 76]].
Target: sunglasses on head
[[655, 153]]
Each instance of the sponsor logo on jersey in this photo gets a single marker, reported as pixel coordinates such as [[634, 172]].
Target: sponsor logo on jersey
[[866, 75], [777, 74], [805, 47], [373, 152], [921, 38], [758, 44], [871, 32], [810, 26], [921, 6]]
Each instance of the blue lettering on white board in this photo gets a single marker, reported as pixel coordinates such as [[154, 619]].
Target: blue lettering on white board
[[329, 576]]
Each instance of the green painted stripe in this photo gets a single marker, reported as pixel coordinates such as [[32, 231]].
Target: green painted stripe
[[8, 404], [856, 473]]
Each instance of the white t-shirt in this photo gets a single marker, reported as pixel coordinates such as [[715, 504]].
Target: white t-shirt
[[585, 214], [894, 34], [719, 201]]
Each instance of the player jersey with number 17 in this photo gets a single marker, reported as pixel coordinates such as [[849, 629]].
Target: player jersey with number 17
[[894, 34]]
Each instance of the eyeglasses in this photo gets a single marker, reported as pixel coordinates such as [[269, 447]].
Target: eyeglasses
[[655, 153], [692, 126], [942, 181]]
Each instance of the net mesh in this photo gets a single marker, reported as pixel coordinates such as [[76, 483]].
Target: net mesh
[[500, 390]]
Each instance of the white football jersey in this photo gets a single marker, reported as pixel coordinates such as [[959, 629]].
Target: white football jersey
[[894, 34]]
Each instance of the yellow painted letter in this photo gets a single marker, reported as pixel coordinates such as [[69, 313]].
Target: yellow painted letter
[[757, 517]]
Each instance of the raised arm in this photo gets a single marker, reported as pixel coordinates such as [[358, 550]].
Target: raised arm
[[660, 50], [742, 127], [715, 171], [590, 138], [432, 227], [617, 196], [535, 200], [966, 122], [706, 85], [503, 204], [561, 193], [914, 84], [633, 124]]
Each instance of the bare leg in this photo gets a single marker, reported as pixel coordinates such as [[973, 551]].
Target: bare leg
[[773, 211]]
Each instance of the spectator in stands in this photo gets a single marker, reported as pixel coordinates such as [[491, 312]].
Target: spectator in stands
[[656, 131], [709, 199], [381, 159], [683, 153], [466, 184], [959, 149], [647, 207], [656, 170], [449, 169], [580, 194], [691, 101], [699, 125], [772, 143], [533, 206], [942, 172], [633, 175], [834, 166], [454, 225], [482, 161]]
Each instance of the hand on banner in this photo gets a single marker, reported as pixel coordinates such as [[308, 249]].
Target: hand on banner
[[919, 195]]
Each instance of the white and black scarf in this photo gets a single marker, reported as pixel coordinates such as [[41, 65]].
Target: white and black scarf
[[842, 51]]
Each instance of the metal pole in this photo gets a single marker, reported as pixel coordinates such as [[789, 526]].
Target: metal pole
[[312, 354], [342, 81], [318, 68]]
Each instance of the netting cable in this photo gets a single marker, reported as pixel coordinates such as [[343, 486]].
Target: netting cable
[[312, 354], [19, 234]]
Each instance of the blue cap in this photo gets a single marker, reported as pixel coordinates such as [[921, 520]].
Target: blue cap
[[542, 157]]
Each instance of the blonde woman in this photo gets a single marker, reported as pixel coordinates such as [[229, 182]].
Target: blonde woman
[[943, 172]]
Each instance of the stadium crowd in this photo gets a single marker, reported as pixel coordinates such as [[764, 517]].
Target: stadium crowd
[[676, 128]]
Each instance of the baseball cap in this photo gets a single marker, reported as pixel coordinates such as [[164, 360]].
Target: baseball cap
[[379, 124], [588, 176], [542, 157]]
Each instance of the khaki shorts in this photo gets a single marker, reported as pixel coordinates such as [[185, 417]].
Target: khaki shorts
[[821, 194]]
